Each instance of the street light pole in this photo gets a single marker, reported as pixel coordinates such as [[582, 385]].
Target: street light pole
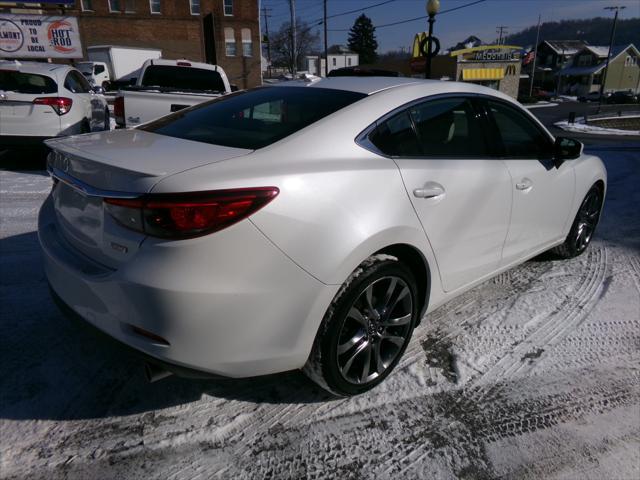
[[433, 7], [606, 65]]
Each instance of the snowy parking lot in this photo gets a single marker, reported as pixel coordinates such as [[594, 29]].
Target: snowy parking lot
[[533, 374]]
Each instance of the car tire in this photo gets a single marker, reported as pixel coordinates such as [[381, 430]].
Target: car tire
[[583, 226], [366, 329], [107, 120]]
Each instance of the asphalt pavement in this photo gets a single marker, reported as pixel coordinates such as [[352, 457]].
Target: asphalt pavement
[[550, 115]]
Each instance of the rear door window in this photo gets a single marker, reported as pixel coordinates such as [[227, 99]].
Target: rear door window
[[29, 83], [76, 83], [396, 137], [255, 118], [182, 78], [449, 127]]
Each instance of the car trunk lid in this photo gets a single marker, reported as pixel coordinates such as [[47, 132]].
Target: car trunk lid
[[120, 164]]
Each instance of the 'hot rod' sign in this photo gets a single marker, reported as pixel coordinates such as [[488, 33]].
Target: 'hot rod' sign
[[39, 36]]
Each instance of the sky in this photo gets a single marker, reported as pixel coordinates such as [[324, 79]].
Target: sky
[[480, 20]]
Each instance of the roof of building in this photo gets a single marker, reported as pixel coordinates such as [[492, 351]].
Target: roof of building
[[566, 47], [616, 50]]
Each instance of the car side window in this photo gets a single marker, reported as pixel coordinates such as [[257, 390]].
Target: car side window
[[521, 137], [98, 69], [396, 137], [76, 83], [449, 127]]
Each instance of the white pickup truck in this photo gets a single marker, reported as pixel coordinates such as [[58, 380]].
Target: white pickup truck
[[166, 86]]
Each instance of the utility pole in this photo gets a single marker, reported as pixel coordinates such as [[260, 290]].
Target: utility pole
[[294, 47], [606, 66], [500, 29], [326, 44], [265, 13], [535, 57]]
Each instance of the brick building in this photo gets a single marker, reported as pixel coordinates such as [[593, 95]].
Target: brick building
[[225, 32]]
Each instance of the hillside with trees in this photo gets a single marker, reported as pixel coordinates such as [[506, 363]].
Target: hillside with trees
[[595, 31]]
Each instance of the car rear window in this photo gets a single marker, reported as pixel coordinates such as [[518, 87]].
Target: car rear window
[[12, 81], [255, 118], [182, 78]]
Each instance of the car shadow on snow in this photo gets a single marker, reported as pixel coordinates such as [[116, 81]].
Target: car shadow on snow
[[56, 368]]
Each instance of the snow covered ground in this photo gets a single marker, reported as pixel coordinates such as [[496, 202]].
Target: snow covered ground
[[580, 127], [534, 374]]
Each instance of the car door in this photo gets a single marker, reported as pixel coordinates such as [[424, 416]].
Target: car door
[[461, 195], [542, 193]]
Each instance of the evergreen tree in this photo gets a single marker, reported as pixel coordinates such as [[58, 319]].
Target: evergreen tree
[[362, 40]]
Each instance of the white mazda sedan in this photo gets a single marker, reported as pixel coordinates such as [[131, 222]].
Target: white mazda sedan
[[308, 225]]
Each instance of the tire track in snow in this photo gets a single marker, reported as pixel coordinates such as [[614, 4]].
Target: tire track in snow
[[551, 330]]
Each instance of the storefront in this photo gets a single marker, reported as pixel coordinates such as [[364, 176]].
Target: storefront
[[494, 66]]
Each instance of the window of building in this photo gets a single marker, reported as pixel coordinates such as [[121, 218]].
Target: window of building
[[195, 7], [334, 61], [349, 61], [584, 60], [229, 42], [155, 6], [247, 46], [130, 6], [521, 137], [228, 7], [87, 5], [630, 61], [114, 6]]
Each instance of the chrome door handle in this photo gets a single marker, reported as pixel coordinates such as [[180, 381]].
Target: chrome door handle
[[524, 184], [429, 190]]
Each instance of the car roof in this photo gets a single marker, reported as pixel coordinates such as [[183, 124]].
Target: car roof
[[34, 67], [371, 85], [366, 85]]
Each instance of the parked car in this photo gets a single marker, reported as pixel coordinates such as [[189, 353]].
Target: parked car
[[363, 72], [111, 67], [541, 94], [166, 86], [593, 96], [623, 97], [309, 224], [43, 100]]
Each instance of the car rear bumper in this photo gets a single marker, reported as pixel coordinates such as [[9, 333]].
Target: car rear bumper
[[229, 304]]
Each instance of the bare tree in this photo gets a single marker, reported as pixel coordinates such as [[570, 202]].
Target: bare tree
[[307, 41]]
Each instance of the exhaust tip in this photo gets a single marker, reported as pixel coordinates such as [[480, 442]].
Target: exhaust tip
[[153, 373]]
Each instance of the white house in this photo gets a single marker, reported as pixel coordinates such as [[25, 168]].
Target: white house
[[314, 64]]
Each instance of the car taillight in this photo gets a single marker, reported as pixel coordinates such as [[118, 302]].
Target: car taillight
[[118, 111], [187, 215], [60, 105]]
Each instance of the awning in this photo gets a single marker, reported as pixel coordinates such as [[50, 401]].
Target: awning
[[482, 74]]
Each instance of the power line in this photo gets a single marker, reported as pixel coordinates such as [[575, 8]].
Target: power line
[[423, 17]]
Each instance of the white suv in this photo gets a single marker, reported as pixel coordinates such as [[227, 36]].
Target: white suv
[[44, 100]]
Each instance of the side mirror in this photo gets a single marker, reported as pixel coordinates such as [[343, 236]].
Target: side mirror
[[566, 149]]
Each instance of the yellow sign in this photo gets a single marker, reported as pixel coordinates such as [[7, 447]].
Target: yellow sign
[[415, 50], [471, 74], [489, 53]]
